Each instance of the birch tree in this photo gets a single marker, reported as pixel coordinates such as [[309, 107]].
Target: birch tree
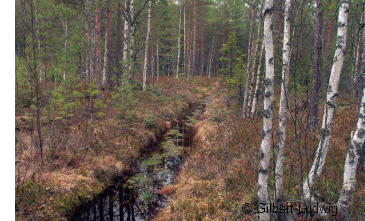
[[194, 40], [257, 89], [352, 160], [66, 38], [157, 60], [265, 148], [119, 41], [146, 48], [178, 46], [131, 38], [210, 59], [283, 109], [249, 53], [98, 53], [330, 106], [105, 57], [252, 78], [125, 35]]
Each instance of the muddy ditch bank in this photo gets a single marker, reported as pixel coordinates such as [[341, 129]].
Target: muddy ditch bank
[[135, 195]]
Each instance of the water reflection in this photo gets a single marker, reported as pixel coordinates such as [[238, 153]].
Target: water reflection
[[138, 198]]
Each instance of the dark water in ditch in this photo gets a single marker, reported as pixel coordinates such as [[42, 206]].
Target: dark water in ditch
[[138, 197]]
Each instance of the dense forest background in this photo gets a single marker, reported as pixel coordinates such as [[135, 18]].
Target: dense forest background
[[97, 80]]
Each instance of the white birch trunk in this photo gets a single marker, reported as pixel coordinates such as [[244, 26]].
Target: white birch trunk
[[265, 148], [64, 65], [157, 60], [178, 47], [131, 45], [125, 46], [93, 52], [146, 48], [283, 110], [329, 110], [252, 78], [354, 68], [184, 42], [255, 98], [352, 159], [210, 60], [248, 67]]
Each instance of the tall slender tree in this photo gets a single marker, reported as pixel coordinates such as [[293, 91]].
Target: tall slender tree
[[119, 42], [249, 55], [316, 72], [146, 46], [178, 44], [98, 52], [283, 109], [265, 148], [194, 39], [330, 107]]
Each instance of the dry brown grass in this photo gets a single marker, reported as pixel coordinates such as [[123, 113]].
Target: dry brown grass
[[80, 159], [198, 193]]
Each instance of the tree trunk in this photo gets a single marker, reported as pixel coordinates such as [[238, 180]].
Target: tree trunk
[[279, 166], [329, 110], [88, 56], [178, 46], [351, 163], [245, 98], [126, 41], [98, 54], [131, 40], [257, 87], [119, 42], [327, 68], [360, 166], [316, 83], [194, 40], [146, 48], [184, 43], [210, 59], [354, 67], [202, 50], [66, 37], [157, 64], [265, 148], [105, 57], [38, 40], [153, 61], [187, 60], [109, 45], [252, 78]]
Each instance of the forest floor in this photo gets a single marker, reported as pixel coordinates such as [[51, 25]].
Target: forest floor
[[227, 148], [88, 143]]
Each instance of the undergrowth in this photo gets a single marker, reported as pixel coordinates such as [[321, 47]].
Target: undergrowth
[[89, 142], [199, 190]]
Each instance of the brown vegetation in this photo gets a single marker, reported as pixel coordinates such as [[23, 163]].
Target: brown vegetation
[[198, 193], [82, 155]]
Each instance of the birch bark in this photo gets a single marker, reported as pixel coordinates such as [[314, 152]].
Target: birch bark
[[146, 48], [252, 78], [352, 159], [125, 36], [329, 110], [178, 46], [248, 64], [257, 87], [283, 105], [265, 148]]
